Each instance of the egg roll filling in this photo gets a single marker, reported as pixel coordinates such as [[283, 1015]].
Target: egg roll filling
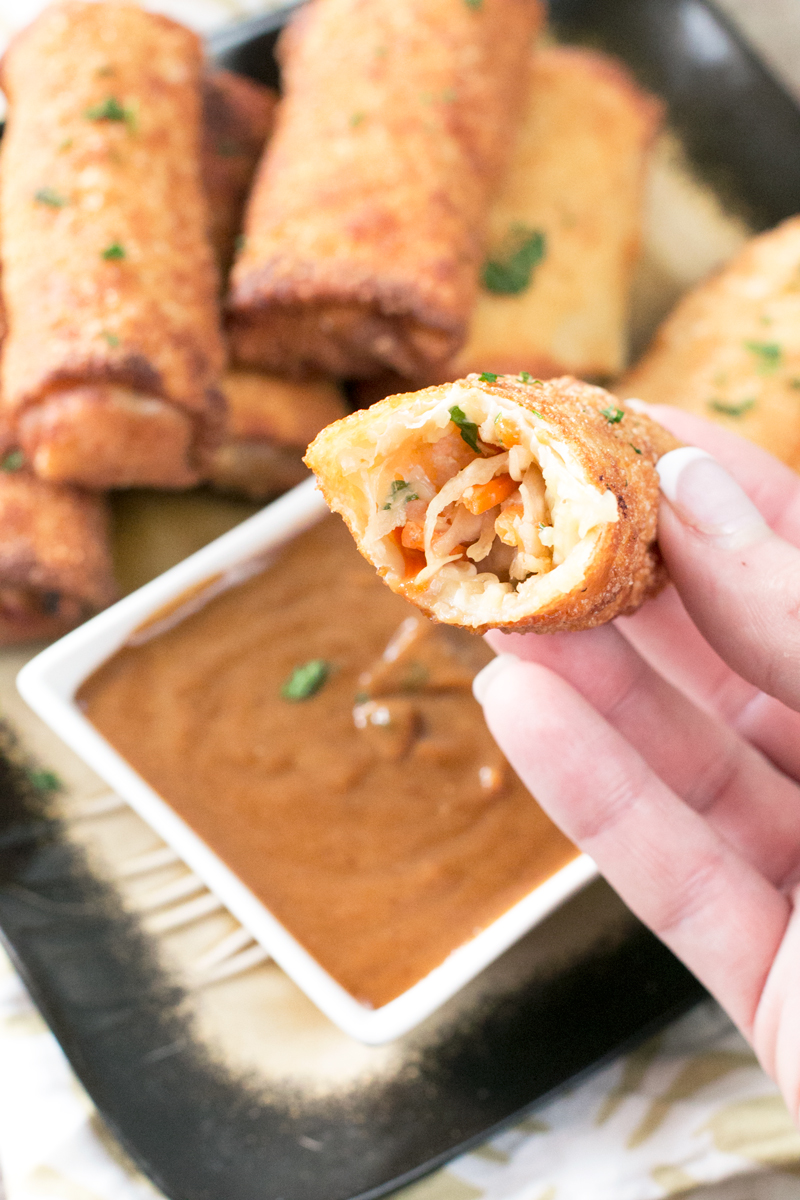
[[476, 504]]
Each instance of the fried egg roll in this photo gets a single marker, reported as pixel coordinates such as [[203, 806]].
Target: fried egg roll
[[55, 560], [270, 424], [238, 114], [730, 350], [364, 232], [111, 362], [564, 229], [497, 503]]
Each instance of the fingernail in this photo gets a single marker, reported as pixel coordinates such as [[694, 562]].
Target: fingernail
[[481, 682], [705, 496]]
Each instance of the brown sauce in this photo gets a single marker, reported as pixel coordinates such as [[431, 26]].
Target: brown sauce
[[380, 848]]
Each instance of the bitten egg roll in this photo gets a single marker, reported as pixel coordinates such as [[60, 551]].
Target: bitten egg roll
[[730, 349], [55, 560], [564, 229], [111, 362], [495, 502], [364, 232], [270, 424], [238, 114]]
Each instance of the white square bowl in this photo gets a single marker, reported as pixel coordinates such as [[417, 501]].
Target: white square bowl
[[50, 681]]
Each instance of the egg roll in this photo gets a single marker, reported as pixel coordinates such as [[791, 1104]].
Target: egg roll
[[565, 227], [500, 502], [730, 349], [238, 115], [365, 228], [55, 559], [270, 424], [110, 367]]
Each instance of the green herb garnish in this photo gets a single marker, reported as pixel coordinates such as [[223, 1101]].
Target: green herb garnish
[[108, 110], [395, 492], [467, 429], [732, 409], [612, 415], [635, 449], [510, 272], [114, 253], [769, 355], [109, 337], [305, 681], [487, 377], [357, 119], [13, 461], [524, 376], [46, 781], [50, 197]]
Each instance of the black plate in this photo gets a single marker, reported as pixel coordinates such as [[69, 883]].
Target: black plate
[[580, 988]]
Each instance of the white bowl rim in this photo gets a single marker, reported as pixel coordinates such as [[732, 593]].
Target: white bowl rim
[[48, 684]]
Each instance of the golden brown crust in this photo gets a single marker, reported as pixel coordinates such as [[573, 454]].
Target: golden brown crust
[[238, 115], [616, 455], [270, 424], [108, 275], [364, 230], [730, 350], [576, 176], [55, 560]]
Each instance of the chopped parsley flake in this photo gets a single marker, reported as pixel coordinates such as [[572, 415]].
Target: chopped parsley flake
[[487, 377], [114, 253], [46, 781], [467, 429], [399, 486], [109, 337], [357, 119], [612, 415], [50, 197], [13, 461], [769, 355], [510, 271], [635, 449], [732, 409], [305, 681], [109, 110]]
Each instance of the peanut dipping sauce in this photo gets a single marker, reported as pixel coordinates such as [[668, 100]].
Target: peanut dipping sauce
[[376, 819]]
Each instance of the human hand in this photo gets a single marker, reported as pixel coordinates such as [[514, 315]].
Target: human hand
[[667, 745]]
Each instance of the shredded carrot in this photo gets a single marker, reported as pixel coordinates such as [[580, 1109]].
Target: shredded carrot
[[507, 433], [413, 535], [482, 496]]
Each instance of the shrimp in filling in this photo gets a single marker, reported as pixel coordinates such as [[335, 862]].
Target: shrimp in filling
[[475, 506]]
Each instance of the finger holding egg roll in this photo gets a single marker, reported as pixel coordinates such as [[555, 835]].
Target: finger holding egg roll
[[502, 502], [364, 230], [111, 361]]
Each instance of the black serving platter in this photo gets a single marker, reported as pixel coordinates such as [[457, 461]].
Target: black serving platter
[[588, 983]]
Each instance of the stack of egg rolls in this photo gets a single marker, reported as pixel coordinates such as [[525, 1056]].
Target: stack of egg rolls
[[502, 502], [365, 228], [270, 423], [565, 227], [730, 350], [238, 115], [113, 353]]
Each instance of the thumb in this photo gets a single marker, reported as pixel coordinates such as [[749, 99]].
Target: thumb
[[739, 581]]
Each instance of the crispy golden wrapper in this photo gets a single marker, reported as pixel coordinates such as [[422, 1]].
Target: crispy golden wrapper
[[572, 199], [110, 366], [55, 561], [364, 232], [238, 116], [270, 424], [497, 503], [730, 350]]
